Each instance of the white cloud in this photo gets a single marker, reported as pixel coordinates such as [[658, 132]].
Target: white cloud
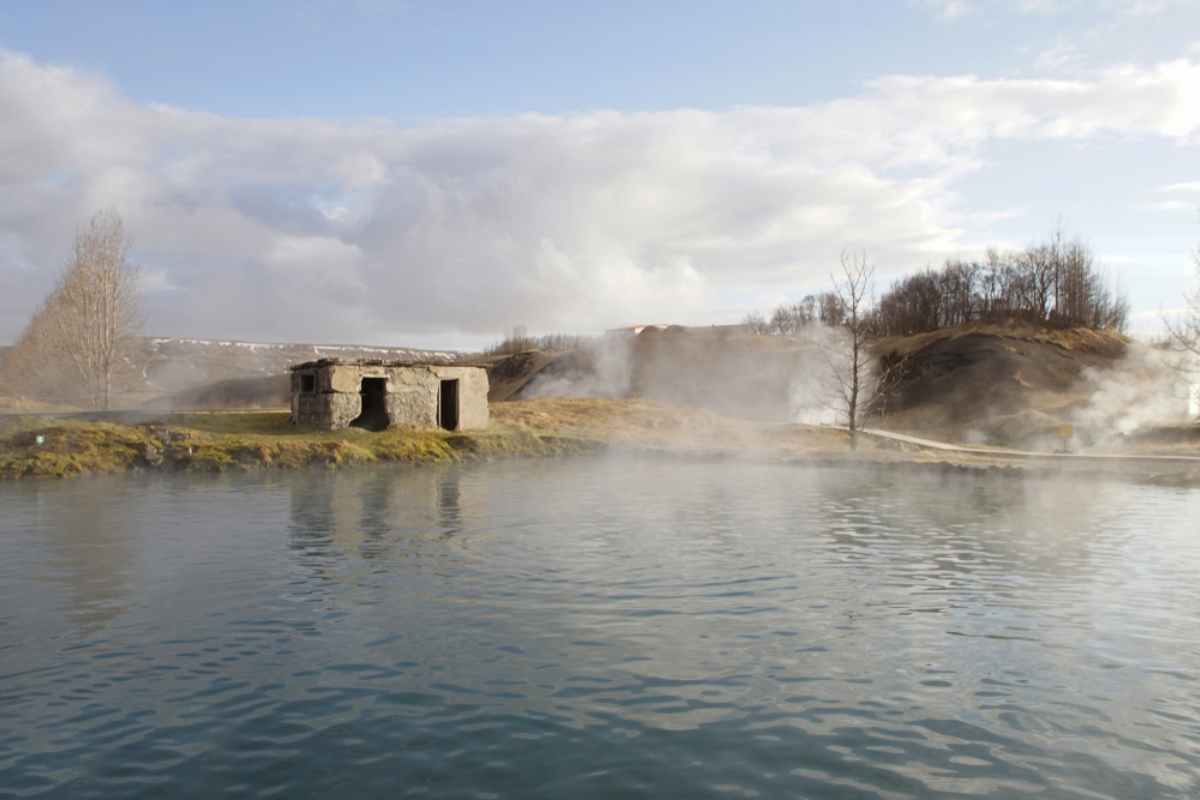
[[1146, 8], [950, 9], [1039, 6], [1186, 187], [154, 280], [1063, 55], [309, 229], [1171, 206], [956, 9]]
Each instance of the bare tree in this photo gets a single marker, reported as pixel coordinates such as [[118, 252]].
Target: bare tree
[[1056, 284], [1185, 334], [26, 368], [93, 312], [791, 319], [756, 323], [851, 371]]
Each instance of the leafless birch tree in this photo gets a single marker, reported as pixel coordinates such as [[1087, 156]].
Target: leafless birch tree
[[93, 312], [1185, 333], [852, 368]]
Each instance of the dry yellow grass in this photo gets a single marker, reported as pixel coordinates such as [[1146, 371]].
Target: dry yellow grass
[[23, 405], [612, 419], [223, 441], [1074, 339], [215, 442], [219, 441], [650, 424]]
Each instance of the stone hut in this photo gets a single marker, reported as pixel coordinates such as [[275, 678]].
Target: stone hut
[[334, 394]]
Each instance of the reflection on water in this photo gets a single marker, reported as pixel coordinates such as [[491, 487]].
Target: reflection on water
[[599, 628], [94, 570], [358, 513]]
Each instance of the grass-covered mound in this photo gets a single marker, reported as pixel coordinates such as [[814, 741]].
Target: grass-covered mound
[[215, 442], [218, 441], [32, 446]]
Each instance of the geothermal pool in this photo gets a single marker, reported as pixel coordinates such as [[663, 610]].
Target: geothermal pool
[[599, 628]]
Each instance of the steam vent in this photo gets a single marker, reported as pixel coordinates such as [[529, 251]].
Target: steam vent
[[334, 394]]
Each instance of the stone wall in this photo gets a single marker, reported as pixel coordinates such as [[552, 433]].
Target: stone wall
[[411, 398], [472, 394], [328, 410]]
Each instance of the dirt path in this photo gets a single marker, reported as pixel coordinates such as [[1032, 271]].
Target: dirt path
[[997, 452]]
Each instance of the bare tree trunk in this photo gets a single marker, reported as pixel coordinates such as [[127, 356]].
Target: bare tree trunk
[[1185, 333], [852, 409], [853, 290]]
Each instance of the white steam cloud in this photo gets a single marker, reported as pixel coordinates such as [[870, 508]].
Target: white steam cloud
[[370, 231], [1147, 387], [814, 388], [608, 372]]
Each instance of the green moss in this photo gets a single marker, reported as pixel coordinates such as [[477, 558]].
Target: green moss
[[219, 442]]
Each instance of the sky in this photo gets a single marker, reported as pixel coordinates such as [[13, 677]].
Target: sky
[[436, 173]]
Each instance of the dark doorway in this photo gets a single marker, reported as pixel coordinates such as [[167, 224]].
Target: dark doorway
[[448, 405], [374, 416]]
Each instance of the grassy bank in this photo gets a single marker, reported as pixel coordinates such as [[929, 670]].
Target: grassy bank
[[218, 442], [32, 446]]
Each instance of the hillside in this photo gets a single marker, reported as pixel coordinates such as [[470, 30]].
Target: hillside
[[979, 384], [168, 365], [167, 372], [265, 391], [993, 384], [529, 373], [1006, 384], [726, 371]]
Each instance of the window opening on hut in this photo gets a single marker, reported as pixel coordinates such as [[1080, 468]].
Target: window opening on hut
[[448, 405], [374, 416], [308, 383]]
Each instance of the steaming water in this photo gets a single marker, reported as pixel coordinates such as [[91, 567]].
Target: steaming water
[[599, 629]]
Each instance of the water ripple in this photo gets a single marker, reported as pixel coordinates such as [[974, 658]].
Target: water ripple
[[599, 629]]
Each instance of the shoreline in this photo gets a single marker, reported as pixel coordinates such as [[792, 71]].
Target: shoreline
[[232, 442], [71, 448]]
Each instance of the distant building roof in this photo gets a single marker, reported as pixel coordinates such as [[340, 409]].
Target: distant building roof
[[637, 329], [634, 329]]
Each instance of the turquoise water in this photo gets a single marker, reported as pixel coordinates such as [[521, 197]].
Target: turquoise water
[[599, 629]]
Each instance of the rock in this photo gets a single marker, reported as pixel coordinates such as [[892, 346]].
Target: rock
[[151, 455]]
